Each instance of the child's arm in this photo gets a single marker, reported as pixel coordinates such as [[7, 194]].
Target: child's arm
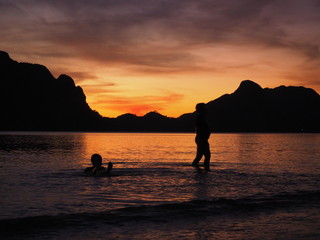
[[110, 166]]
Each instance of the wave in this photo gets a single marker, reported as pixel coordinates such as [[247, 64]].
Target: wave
[[165, 212]]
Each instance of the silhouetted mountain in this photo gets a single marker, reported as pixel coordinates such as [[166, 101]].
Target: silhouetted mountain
[[32, 99], [253, 109], [248, 89], [249, 109], [151, 122]]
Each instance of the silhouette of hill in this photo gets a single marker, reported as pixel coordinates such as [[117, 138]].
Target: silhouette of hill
[[253, 109], [32, 99]]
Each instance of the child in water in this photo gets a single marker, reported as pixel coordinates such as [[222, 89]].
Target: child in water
[[97, 169]]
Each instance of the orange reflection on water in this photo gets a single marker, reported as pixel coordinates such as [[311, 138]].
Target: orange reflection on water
[[139, 147]]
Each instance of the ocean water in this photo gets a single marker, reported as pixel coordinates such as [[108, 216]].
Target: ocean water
[[261, 186]]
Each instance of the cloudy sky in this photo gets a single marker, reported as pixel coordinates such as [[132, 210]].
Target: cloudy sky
[[136, 56]]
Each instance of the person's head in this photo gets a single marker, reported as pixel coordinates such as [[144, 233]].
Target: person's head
[[96, 160], [201, 108]]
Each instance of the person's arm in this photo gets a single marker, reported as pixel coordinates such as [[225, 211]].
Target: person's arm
[[110, 166]]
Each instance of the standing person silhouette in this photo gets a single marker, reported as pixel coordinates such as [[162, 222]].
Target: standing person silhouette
[[202, 137]]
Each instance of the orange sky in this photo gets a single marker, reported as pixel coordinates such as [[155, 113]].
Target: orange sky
[[139, 56]]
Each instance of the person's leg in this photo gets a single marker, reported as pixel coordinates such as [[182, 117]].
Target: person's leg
[[207, 156], [198, 157], [110, 166], [199, 152]]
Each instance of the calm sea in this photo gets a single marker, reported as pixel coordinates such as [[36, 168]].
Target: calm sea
[[261, 186]]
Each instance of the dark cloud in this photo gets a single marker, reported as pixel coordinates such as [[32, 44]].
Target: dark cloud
[[116, 27], [305, 74], [100, 90], [158, 34], [82, 76]]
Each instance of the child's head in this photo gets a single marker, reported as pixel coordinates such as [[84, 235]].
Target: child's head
[[96, 160]]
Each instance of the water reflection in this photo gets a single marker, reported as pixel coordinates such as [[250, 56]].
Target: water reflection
[[24, 152], [248, 146], [41, 141], [43, 171], [127, 148], [201, 185]]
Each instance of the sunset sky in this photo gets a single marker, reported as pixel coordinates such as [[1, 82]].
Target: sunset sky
[[136, 56]]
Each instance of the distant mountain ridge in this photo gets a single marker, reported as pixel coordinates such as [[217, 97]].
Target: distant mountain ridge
[[31, 99], [254, 109]]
